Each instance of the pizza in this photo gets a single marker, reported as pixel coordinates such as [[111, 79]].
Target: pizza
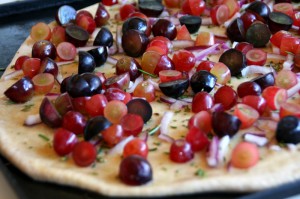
[[149, 99]]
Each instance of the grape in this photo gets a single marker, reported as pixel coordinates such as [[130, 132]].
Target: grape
[[192, 23], [145, 90], [43, 83], [31, 67], [100, 55], [140, 107], [244, 155], [117, 94], [265, 81], [248, 88], [229, 126], [203, 81], [201, 120], [246, 114], [288, 130], [256, 57], [125, 10], [128, 64], [48, 65], [244, 47], [79, 104], [226, 96], [151, 8], [259, 9], [94, 126], [115, 110], [113, 134], [184, 60], [64, 141], [42, 49], [164, 63], [258, 34], [63, 103], [86, 62], [235, 31], [58, 35], [169, 75], [65, 15], [202, 101], [104, 38], [134, 43], [136, 23], [118, 81], [135, 170], [205, 65], [84, 154], [235, 60], [101, 16], [174, 88], [83, 13], [181, 151], [136, 146], [74, 122], [66, 51], [49, 114], [132, 124], [95, 105], [197, 138], [21, 91], [279, 21], [222, 73], [286, 79], [40, 31], [164, 27], [19, 62], [257, 102], [86, 22], [77, 35]]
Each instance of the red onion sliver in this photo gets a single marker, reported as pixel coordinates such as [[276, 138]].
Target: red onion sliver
[[13, 74], [113, 49], [143, 136], [223, 148], [86, 48], [119, 39], [178, 105], [275, 148], [64, 63], [200, 55], [253, 69], [32, 120], [258, 140], [167, 99], [180, 44], [166, 138], [111, 60], [212, 158], [118, 148], [154, 83], [292, 91], [165, 120], [135, 83]]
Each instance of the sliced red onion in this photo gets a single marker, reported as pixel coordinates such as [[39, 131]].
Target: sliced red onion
[[135, 83], [13, 74], [228, 22], [257, 139], [174, 20], [276, 56], [275, 50], [111, 60], [253, 69], [217, 108], [275, 148], [292, 91], [164, 13], [206, 21], [113, 49], [289, 62], [166, 138], [295, 28], [167, 99], [223, 149], [86, 48], [152, 20], [212, 155], [119, 39], [187, 99], [143, 136], [32, 120], [180, 44], [178, 105], [154, 83], [165, 120], [275, 116], [203, 53], [64, 63], [292, 147], [243, 4], [118, 148]]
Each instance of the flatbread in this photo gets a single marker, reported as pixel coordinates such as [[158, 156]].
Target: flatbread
[[26, 148]]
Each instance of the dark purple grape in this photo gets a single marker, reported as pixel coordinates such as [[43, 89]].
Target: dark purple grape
[[86, 84], [128, 64], [283, 1], [151, 8], [48, 65], [135, 170], [136, 23], [100, 55], [288, 130], [77, 35], [63, 103], [279, 21], [174, 88], [203, 81], [265, 80], [64, 83], [94, 126], [259, 8], [165, 63], [192, 23], [21, 91], [118, 81], [248, 88], [104, 38], [258, 34], [101, 16], [134, 43], [65, 15], [225, 124], [236, 31], [164, 27], [49, 115], [235, 60], [86, 62], [140, 107], [42, 49]]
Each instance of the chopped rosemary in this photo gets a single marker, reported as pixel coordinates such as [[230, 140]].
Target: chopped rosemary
[[44, 137], [157, 143], [27, 107], [154, 130], [153, 149], [146, 73], [200, 173], [173, 127]]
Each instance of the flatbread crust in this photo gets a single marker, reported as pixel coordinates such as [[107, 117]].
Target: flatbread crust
[[24, 147]]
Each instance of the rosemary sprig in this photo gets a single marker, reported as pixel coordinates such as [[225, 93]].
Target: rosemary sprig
[[145, 72]]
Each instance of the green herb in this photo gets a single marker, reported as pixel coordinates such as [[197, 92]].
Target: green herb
[[178, 111], [9, 102], [167, 153], [187, 109], [101, 159], [173, 127], [164, 168], [94, 173], [157, 143], [153, 149], [64, 158], [27, 107], [146, 73], [44, 137], [200, 173], [154, 130]]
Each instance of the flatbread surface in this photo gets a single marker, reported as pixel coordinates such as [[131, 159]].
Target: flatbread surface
[[27, 149]]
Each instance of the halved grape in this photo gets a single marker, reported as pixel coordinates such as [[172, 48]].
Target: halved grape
[[63, 103], [259, 8], [258, 34], [235, 60], [136, 23], [164, 27], [203, 81], [140, 107], [288, 130], [118, 81], [128, 64], [86, 62], [21, 91], [42, 49], [174, 88], [265, 81], [94, 126], [49, 115], [48, 65], [151, 8], [100, 55], [235, 31], [192, 23], [104, 38], [279, 21], [102, 15], [43, 83], [65, 15], [134, 43], [77, 35], [229, 126]]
